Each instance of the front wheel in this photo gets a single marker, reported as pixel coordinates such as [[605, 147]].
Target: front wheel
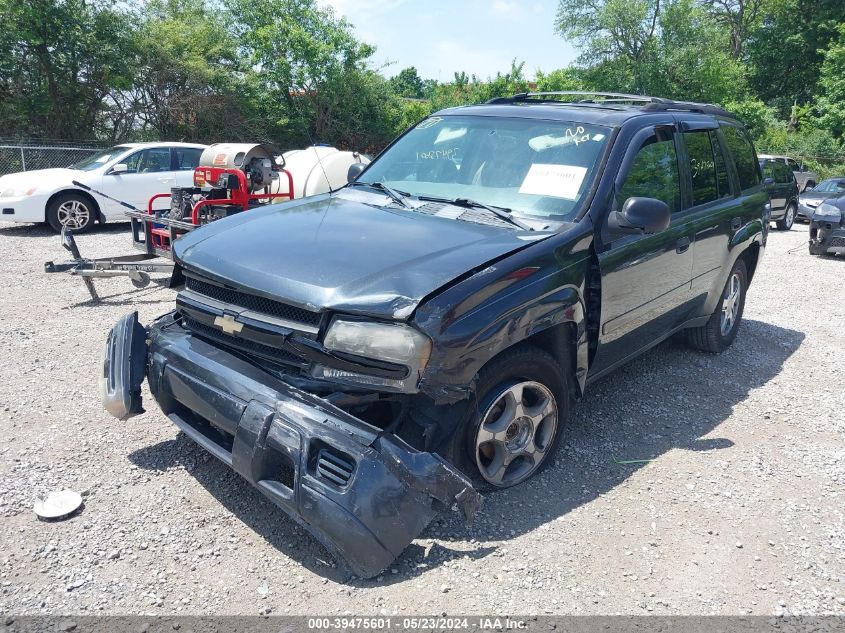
[[72, 212], [786, 222], [719, 332], [515, 426]]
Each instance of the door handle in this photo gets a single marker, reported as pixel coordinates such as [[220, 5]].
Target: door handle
[[682, 244], [736, 223]]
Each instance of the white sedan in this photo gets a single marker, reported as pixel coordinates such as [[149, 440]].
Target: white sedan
[[131, 172]]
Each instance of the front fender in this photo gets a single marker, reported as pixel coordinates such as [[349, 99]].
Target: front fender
[[504, 307]]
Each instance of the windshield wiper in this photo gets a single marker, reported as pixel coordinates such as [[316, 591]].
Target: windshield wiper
[[500, 212], [397, 196]]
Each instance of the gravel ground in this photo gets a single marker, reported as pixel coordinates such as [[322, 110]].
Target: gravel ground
[[741, 508]]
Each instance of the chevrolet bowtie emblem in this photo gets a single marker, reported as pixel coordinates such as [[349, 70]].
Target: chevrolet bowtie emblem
[[228, 324]]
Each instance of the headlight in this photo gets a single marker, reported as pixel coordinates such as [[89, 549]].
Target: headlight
[[388, 342], [827, 211], [17, 192]]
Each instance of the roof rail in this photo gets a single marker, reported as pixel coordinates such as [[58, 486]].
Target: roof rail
[[653, 104]]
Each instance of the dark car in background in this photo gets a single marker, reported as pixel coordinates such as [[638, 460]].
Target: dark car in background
[[812, 198], [827, 227], [369, 357], [783, 192]]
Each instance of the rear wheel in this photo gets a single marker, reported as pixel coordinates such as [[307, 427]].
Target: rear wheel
[[786, 222], [719, 332], [515, 427], [71, 211]]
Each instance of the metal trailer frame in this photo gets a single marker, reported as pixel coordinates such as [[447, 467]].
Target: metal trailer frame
[[152, 233]]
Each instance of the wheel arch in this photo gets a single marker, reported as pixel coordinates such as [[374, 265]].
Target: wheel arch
[[560, 331], [82, 194], [751, 255]]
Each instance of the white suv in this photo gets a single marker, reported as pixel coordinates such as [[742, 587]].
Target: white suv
[[131, 172]]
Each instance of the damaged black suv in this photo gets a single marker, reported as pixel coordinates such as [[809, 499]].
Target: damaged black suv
[[368, 357]]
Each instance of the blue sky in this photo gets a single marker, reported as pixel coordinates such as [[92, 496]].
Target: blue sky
[[440, 37]]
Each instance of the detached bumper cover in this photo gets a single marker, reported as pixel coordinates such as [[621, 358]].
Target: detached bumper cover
[[363, 493], [826, 238]]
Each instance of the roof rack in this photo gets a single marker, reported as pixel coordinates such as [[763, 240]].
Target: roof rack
[[653, 104]]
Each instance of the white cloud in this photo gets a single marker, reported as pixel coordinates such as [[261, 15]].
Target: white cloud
[[506, 7], [448, 54]]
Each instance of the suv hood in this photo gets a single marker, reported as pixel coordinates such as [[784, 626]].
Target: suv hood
[[342, 252]]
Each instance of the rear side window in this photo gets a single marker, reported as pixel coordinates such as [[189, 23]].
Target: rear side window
[[722, 179], [743, 155], [654, 174], [702, 167], [782, 173], [187, 157], [792, 165]]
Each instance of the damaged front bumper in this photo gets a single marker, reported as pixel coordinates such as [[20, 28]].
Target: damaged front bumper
[[364, 493], [826, 238]]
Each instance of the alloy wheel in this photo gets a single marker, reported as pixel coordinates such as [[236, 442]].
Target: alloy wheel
[[516, 433], [73, 214], [730, 304]]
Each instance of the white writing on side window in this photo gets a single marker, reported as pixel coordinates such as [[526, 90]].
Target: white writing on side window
[[560, 181]]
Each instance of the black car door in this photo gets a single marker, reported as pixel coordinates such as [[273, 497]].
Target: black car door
[[715, 209], [645, 279], [780, 188]]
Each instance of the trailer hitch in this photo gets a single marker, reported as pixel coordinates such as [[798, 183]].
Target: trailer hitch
[[136, 267]]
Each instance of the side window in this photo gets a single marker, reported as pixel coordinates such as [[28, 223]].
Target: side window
[[702, 167], [654, 174], [187, 157], [742, 151], [149, 160], [722, 179], [768, 168], [784, 173], [792, 165]]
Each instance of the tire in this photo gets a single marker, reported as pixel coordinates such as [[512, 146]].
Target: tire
[[786, 222], [505, 459], [716, 336], [72, 210]]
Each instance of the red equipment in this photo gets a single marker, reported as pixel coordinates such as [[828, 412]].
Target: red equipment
[[231, 178]]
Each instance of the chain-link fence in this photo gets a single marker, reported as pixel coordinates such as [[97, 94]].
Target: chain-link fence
[[28, 155]]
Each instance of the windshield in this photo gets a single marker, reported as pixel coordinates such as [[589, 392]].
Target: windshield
[[831, 186], [100, 158], [533, 167]]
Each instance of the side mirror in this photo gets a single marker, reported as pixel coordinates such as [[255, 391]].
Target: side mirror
[[355, 170], [119, 168], [646, 215], [768, 181]]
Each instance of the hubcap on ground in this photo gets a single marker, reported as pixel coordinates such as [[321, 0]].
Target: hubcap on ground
[[73, 214], [515, 433], [730, 304]]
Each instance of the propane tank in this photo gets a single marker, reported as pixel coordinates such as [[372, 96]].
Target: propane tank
[[319, 168]]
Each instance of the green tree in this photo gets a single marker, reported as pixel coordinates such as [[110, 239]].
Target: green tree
[[59, 62], [831, 102], [188, 73], [786, 51], [408, 84]]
